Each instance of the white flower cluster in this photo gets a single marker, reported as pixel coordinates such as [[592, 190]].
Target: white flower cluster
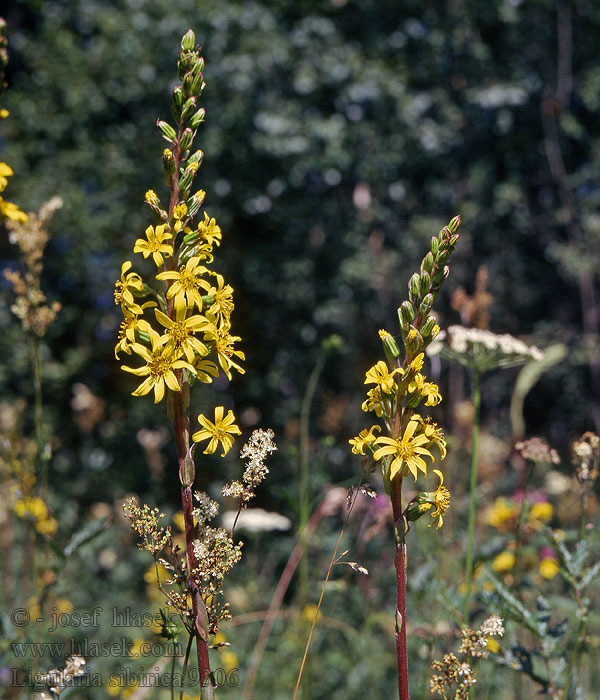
[[460, 338], [493, 626], [258, 447], [57, 680], [207, 508]]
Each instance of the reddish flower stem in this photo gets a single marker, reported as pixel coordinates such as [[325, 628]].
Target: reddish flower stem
[[182, 441]]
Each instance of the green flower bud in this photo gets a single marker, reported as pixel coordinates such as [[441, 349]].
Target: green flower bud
[[454, 224], [390, 347], [424, 284], [177, 101], [186, 139], [444, 236], [167, 131], [440, 276], [198, 84], [196, 157], [197, 118], [435, 245], [426, 305], [441, 257], [188, 41], [413, 341], [406, 315], [413, 287], [427, 264], [453, 241], [168, 165], [188, 108], [428, 326], [185, 181]]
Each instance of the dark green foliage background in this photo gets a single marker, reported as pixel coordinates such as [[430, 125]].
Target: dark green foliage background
[[428, 109]]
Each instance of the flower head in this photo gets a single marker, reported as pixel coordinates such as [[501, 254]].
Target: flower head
[[408, 451], [440, 498], [159, 368], [380, 375], [187, 284], [365, 438], [155, 244], [221, 431]]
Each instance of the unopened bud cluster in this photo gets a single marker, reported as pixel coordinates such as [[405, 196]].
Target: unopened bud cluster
[[418, 327]]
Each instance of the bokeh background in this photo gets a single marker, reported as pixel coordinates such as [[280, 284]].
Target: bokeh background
[[340, 135]]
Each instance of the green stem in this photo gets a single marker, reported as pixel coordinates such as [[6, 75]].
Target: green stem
[[38, 411], [304, 469], [472, 490], [186, 659], [520, 525]]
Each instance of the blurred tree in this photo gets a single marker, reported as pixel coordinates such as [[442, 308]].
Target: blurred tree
[[339, 136]]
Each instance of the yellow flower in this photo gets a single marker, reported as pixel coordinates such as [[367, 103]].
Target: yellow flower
[[373, 401], [365, 438], [48, 526], [492, 645], [5, 172], [221, 431], [180, 333], [408, 451], [179, 520], [160, 363], [548, 567], [223, 346], [179, 214], [129, 325], [434, 435], [417, 364], [503, 562], [380, 375], [155, 244], [441, 498], [222, 295], [124, 288], [210, 232], [501, 512], [152, 198], [187, 283], [541, 512], [428, 390], [12, 211], [31, 506]]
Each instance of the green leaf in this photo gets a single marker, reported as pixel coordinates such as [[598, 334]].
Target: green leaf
[[85, 535]]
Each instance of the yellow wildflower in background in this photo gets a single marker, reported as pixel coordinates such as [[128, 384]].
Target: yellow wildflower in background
[[541, 512], [501, 512], [549, 567], [503, 562], [221, 431]]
